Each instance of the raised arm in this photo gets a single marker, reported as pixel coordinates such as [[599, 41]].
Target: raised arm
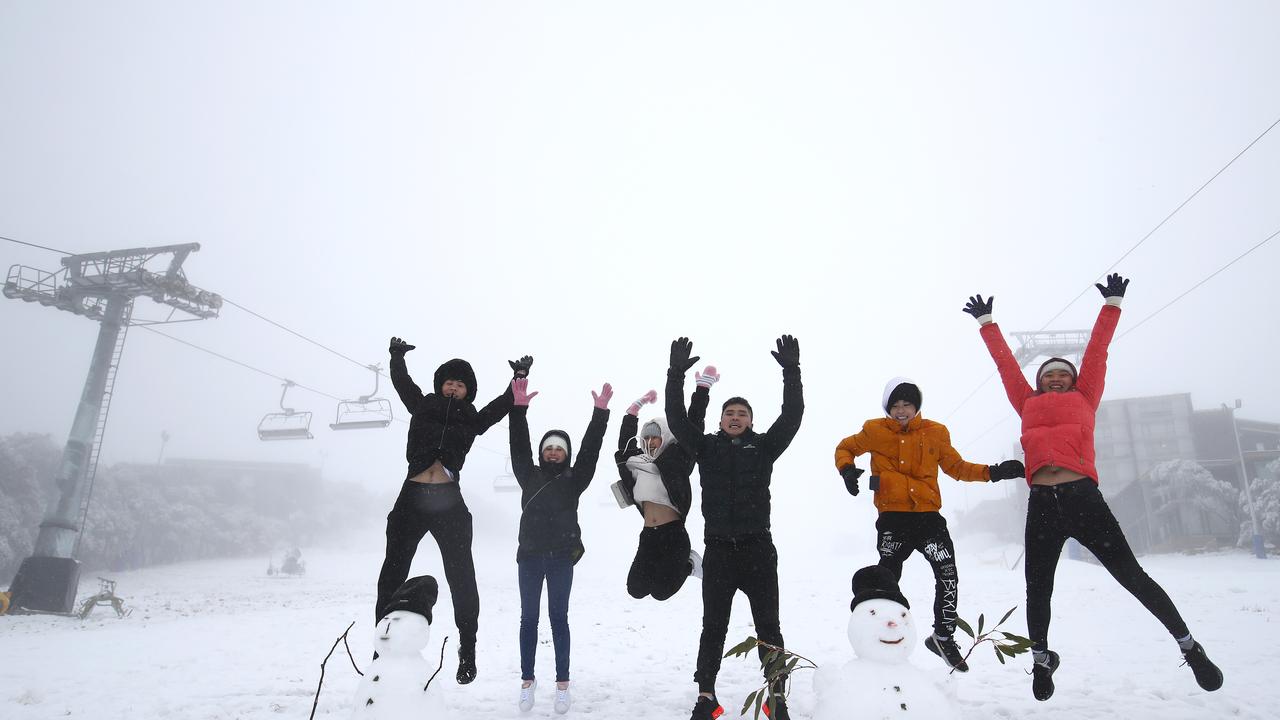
[[1016, 386], [490, 414], [702, 396], [1093, 366], [522, 465], [584, 466], [627, 435], [784, 429], [685, 431], [409, 392]]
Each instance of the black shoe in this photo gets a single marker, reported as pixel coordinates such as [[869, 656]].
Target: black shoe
[[779, 712], [948, 651], [706, 709], [466, 666], [1042, 677], [1208, 675]]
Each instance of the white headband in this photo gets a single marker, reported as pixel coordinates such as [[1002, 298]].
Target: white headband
[[1055, 365], [556, 440]]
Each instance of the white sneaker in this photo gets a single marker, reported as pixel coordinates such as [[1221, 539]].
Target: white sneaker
[[526, 696], [696, 561], [562, 700]]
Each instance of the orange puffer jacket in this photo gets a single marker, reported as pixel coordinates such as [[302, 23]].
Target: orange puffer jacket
[[907, 461]]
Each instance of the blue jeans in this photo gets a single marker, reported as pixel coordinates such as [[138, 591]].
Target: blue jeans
[[557, 570]]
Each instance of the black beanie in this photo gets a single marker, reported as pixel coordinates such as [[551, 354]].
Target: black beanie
[[415, 595], [905, 391], [735, 400], [876, 583]]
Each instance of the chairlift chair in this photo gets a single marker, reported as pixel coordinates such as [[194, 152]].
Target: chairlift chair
[[506, 482], [366, 413], [287, 425]]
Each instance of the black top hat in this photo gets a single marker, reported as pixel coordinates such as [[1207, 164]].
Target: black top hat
[[876, 583], [416, 595]]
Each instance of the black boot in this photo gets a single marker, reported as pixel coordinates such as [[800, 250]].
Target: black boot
[[466, 664], [1042, 676], [1208, 675], [706, 709], [948, 651], [779, 710]]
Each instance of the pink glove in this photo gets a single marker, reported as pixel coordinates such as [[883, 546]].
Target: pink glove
[[647, 399], [707, 377], [520, 392], [602, 400]]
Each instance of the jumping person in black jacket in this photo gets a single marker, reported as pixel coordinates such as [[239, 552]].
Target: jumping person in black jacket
[[550, 538], [655, 478], [444, 424], [736, 466]]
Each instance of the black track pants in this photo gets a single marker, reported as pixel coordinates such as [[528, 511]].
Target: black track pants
[[1077, 509], [747, 563], [902, 533], [440, 510], [661, 564]]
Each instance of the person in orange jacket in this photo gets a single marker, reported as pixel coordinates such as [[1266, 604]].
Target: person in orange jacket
[[906, 453]]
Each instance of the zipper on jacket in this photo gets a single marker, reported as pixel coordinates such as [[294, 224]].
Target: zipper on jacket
[[447, 408]]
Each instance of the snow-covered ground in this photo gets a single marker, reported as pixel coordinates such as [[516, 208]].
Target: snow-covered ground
[[220, 639]]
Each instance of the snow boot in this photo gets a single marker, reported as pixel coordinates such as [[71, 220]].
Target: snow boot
[[706, 709], [527, 695], [779, 711], [948, 651], [1042, 676], [466, 664], [562, 699], [1208, 675], [695, 564]]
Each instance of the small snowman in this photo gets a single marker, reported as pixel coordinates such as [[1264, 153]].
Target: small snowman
[[394, 686], [880, 682]]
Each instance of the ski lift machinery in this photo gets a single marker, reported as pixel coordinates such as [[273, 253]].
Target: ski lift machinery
[[366, 413], [286, 425], [506, 482]]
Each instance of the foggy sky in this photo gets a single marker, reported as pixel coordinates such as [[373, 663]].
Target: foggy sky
[[584, 182]]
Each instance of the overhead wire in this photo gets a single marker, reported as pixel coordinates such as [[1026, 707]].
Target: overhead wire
[[42, 247]]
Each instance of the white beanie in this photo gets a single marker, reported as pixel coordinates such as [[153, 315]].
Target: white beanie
[[555, 440]]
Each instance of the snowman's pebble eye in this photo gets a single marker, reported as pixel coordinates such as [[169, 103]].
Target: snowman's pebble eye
[[873, 612]]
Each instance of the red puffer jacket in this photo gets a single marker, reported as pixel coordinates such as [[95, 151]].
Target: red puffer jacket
[[1057, 428]]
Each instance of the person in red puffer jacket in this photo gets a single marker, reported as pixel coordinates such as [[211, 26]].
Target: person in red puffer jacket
[[1057, 437]]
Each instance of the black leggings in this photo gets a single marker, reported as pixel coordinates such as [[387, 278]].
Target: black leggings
[[662, 562], [1077, 509], [440, 510], [902, 533], [747, 563]]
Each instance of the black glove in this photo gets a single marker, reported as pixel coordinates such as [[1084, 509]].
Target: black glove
[[399, 347], [977, 307], [520, 368], [680, 349], [1007, 470], [1116, 286], [788, 352], [851, 475]]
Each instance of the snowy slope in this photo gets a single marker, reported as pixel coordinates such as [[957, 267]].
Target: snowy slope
[[220, 639]]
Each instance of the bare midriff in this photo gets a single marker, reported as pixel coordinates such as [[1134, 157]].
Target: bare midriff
[[1054, 475], [656, 514], [434, 475]]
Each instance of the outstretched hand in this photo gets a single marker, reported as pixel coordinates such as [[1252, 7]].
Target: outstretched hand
[[647, 399], [1007, 470], [979, 308], [788, 352], [520, 392], [520, 368], [602, 399], [707, 377], [1115, 287], [681, 349], [399, 347]]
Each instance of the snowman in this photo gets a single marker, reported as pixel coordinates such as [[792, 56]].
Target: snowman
[[394, 685], [880, 683]]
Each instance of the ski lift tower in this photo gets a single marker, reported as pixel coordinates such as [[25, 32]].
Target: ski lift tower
[[1068, 344], [102, 287]]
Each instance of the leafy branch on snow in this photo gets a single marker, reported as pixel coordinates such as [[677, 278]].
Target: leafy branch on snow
[[778, 664], [1005, 644]]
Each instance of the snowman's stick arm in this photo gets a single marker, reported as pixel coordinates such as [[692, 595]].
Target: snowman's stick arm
[[341, 638], [438, 667]]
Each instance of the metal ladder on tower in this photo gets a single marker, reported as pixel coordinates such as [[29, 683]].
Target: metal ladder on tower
[[91, 470]]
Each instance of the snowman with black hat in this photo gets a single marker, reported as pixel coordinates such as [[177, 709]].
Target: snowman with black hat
[[880, 682], [395, 685]]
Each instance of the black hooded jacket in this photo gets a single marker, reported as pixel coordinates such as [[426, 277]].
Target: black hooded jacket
[[549, 492], [443, 428], [675, 464], [736, 471]]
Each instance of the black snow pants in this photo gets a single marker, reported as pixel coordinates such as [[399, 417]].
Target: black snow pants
[[900, 534], [440, 510], [661, 564], [1077, 509], [742, 562]]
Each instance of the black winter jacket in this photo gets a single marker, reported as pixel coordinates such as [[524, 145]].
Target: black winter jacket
[[675, 464], [443, 428], [549, 492], [736, 472]]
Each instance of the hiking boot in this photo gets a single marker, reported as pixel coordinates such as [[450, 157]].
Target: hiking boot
[[779, 711], [1042, 676], [948, 651], [466, 665], [706, 709], [1208, 676], [527, 695]]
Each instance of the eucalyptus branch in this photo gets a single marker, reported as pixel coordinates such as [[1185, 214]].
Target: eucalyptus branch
[[778, 663], [1005, 644]]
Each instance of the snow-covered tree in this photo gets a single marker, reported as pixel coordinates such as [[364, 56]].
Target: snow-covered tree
[[1266, 502], [1179, 485]]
